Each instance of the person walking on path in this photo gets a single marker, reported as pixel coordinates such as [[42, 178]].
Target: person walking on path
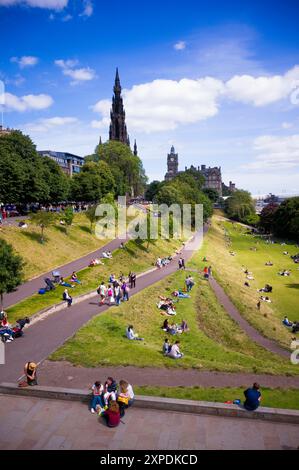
[[125, 291], [66, 296], [132, 278], [102, 292], [181, 263]]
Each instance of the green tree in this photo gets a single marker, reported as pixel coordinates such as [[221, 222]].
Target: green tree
[[11, 269], [21, 170], [91, 216], [127, 169], [152, 189], [211, 193], [44, 220], [93, 182], [267, 217], [68, 217], [58, 182], [239, 206], [286, 221]]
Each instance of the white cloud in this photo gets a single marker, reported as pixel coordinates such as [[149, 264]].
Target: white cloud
[[77, 74], [275, 153], [25, 61], [180, 46], [88, 9], [262, 90], [48, 4], [44, 125], [66, 18], [287, 125], [27, 102], [164, 104]]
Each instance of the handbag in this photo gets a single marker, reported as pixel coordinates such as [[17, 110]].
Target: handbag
[[124, 400]]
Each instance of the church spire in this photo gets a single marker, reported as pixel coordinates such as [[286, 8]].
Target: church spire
[[118, 128], [135, 149]]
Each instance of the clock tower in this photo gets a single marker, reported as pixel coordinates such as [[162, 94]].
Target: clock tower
[[172, 164]]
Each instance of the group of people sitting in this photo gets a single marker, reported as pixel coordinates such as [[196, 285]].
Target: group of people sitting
[[10, 332], [162, 262], [293, 325], [167, 306], [110, 400], [175, 329]]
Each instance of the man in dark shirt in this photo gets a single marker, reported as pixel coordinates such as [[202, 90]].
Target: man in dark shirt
[[253, 397]]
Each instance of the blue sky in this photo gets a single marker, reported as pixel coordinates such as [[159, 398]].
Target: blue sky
[[218, 80]]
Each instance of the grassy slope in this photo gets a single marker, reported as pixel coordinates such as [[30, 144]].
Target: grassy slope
[[59, 248], [134, 257], [228, 271], [277, 398], [215, 342]]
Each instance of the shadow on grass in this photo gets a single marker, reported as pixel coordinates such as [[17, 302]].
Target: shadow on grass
[[85, 229], [34, 236], [61, 229], [293, 286]]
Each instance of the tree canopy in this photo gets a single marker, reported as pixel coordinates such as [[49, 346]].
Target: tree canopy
[[126, 168], [239, 206], [11, 269]]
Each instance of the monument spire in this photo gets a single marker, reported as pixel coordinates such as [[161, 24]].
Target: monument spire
[[118, 128]]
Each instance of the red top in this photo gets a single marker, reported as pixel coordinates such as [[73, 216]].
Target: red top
[[113, 418]]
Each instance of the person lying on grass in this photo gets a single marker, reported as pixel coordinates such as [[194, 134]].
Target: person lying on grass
[[265, 299], [287, 322], [284, 272], [180, 294], [269, 263]]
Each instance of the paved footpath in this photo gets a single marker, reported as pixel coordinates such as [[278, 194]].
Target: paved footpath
[[32, 287], [64, 374], [45, 336], [34, 423]]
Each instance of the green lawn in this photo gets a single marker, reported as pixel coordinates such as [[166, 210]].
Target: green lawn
[[214, 342], [134, 257], [273, 398], [60, 248], [228, 270]]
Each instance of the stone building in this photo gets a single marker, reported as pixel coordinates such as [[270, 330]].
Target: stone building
[[212, 175]]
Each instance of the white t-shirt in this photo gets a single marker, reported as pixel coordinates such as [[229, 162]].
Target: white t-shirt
[[130, 392], [175, 350]]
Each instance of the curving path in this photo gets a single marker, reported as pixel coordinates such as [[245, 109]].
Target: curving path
[[31, 287], [46, 335]]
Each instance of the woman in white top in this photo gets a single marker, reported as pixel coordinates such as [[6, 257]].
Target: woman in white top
[[126, 392], [175, 352]]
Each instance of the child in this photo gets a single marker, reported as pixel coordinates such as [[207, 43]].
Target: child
[[97, 399], [112, 415]]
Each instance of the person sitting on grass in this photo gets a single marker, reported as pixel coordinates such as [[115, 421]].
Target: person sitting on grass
[[112, 415], [131, 335], [74, 278], [267, 288], [295, 327], [287, 322], [253, 397], [166, 347], [269, 263], [97, 398], [165, 325], [66, 296], [184, 326], [175, 352]]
